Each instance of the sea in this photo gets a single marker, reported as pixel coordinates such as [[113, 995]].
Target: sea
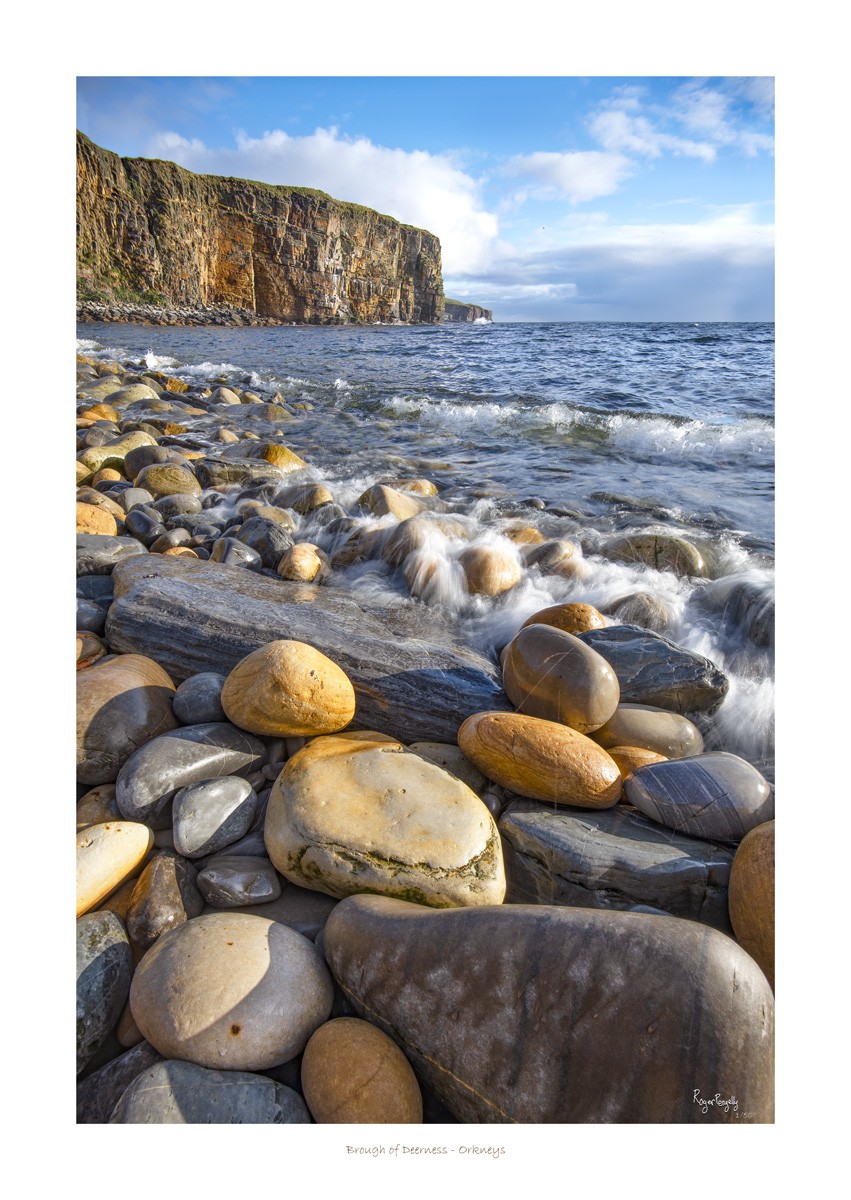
[[586, 430]]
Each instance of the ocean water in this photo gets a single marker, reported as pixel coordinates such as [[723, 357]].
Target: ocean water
[[609, 428]]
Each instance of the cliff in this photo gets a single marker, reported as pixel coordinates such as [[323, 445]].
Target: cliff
[[151, 232], [456, 310]]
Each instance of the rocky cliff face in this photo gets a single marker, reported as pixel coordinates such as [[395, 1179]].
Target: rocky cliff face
[[149, 231], [457, 311]]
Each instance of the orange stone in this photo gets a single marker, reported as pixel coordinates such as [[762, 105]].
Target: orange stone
[[751, 896], [354, 1074]]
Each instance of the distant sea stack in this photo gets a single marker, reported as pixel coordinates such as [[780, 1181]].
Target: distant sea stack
[[151, 233], [456, 310]]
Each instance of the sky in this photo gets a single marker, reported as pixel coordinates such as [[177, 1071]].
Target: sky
[[576, 198]]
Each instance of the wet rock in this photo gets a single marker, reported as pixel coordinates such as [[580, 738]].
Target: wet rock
[[232, 881], [570, 618], [198, 700], [304, 911], [232, 991], [350, 815], [91, 617], [121, 704], [640, 608], [99, 1092], [95, 520], [654, 671], [752, 896], [98, 553], [182, 1093], [657, 729], [213, 472], [233, 553], [353, 1074], [288, 689], [556, 676], [614, 859], [107, 854], [538, 1014], [212, 814], [490, 570], [150, 778], [268, 538], [114, 452], [381, 500], [97, 806], [630, 758], [167, 479], [104, 968], [717, 795], [143, 526], [413, 676], [164, 897], [662, 551], [305, 563]]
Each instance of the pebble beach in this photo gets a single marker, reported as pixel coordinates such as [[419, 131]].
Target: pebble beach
[[401, 802]]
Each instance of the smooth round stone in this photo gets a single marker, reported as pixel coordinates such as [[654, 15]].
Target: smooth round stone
[[640, 608], [97, 807], [269, 512], [524, 535], [304, 563], [551, 674], [666, 733], [212, 814], [104, 968], [276, 453], [630, 758], [153, 775], [101, 1090], [381, 500], [169, 540], [231, 881], [252, 845], [751, 896], [233, 553], [662, 551], [223, 395], [181, 504], [114, 453], [98, 499], [134, 497], [268, 538], [106, 855], [90, 649], [541, 1014], [353, 1074], [144, 526], [550, 556], [349, 815], [452, 759], [167, 479], [288, 689], [164, 897], [570, 618], [97, 553], [304, 911], [541, 759], [121, 705], [91, 617], [181, 552], [182, 1093], [717, 795], [424, 531], [232, 991], [490, 570], [93, 519], [304, 497]]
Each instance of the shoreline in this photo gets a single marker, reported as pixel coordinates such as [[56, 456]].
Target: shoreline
[[220, 316]]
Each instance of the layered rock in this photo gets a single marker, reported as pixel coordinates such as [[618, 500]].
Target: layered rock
[[155, 231], [457, 310]]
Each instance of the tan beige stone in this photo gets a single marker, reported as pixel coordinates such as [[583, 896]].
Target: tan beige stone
[[353, 1074], [452, 759], [490, 570], [381, 500], [662, 551], [106, 855], [226, 435], [114, 453], [751, 896], [668, 733], [106, 475], [424, 531], [127, 1031], [288, 689], [553, 675], [97, 807], [91, 519], [167, 479], [231, 991], [282, 457], [551, 557], [420, 487], [84, 473], [180, 551], [348, 816], [630, 758], [571, 618], [541, 759], [523, 535], [304, 563], [305, 497], [90, 648], [176, 386], [252, 508], [90, 495]]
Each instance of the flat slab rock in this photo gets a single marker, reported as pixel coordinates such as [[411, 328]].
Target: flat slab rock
[[611, 859], [412, 679], [653, 670]]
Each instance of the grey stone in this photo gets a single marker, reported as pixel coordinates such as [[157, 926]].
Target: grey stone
[[99, 1092], [104, 971], [181, 1093], [95, 587], [305, 912], [715, 795], [652, 670], [91, 616], [211, 472], [165, 896], [250, 846], [182, 503], [199, 699], [149, 779], [134, 497], [234, 553], [97, 553], [268, 538], [413, 676], [210, 815], [612, 859], [231, 881], [143, 526]]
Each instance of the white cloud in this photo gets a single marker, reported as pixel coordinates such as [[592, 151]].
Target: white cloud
[[577, 176], [431, 191], [616, 130]]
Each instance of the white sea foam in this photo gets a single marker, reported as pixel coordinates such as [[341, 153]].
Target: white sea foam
[[342, 385], [156, 362], [658, 435]]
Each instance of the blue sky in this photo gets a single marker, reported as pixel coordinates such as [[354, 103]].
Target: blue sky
[[575, 198]]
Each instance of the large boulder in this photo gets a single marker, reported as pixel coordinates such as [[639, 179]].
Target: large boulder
[[182, 1093], [413, 678], [537, 1014]]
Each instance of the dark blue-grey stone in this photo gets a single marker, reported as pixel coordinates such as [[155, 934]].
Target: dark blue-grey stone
[[98, 1093], [180, 503], [231, 881], [167, 540], [164, 897], [305, 912], [182, 1093], [104, 971], [97, 553], [199, 699], [268, 538], [211, 472], [144, 524], [148, 781], [91, 616], [616, 859], [134, 497], [715, 795], [95, 587], [652, 670], [209, 816], [234, 553]]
